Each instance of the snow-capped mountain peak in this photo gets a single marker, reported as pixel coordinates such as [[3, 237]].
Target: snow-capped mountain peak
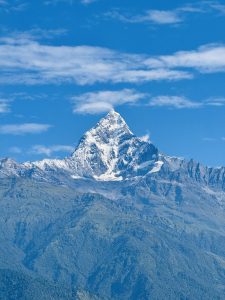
[[110, 149], [113, 123], [109, 127]]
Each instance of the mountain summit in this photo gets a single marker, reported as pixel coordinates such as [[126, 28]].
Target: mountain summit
[[110, 151], [112, 124]]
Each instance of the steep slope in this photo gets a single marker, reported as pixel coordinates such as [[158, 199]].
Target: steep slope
[[109, 151]]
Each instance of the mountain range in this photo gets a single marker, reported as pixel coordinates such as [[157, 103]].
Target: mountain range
[[118, 219]]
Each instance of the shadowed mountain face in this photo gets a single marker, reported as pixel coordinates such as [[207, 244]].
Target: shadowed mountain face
[[116, 220]]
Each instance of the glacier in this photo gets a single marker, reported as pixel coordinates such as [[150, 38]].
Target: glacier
[[118, 219]]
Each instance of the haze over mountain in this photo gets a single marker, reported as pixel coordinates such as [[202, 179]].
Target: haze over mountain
[[117, 219]]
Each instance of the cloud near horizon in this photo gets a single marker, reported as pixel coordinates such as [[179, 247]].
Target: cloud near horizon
[[22, 129], [49, 150]]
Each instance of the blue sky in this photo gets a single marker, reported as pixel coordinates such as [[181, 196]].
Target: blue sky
[[65, 63]]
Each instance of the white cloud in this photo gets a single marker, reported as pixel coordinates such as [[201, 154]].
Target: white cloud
[[181, 102], [15, 150], [85, 2], [35, 33], [173, 102], [12, 5], [49, 150], [217, 6], [25, 61], [156, 74], [4, 106], [169, 17], [145, 138], [103, 101], [159, 17], [216, 102], [21, 129], [28, 62], [208, 58]]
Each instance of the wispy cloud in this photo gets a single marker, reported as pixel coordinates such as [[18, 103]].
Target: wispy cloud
[[168, 17], [208, 139], [3, 2], [213, 140], [103, 101], [173, 102], [181, 102], [216, 102], [160, 17], [15, 150], [13, 5], [85, 2], [145, 138], [217, 6], [25, 61], [49, 150], [35, 33], [22, 129], [43, 149], [4, 106], [206, 59]]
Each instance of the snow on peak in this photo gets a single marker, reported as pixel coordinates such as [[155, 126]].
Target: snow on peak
[[113, 124], [110, 149], [98, 150]]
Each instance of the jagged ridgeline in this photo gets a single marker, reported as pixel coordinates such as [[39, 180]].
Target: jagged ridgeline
[[117, 219]]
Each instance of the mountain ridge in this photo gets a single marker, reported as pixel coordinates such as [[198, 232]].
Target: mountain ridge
[[111, 152]]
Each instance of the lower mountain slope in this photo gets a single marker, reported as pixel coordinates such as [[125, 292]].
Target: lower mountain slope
[[19, 286], [143, 241]]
